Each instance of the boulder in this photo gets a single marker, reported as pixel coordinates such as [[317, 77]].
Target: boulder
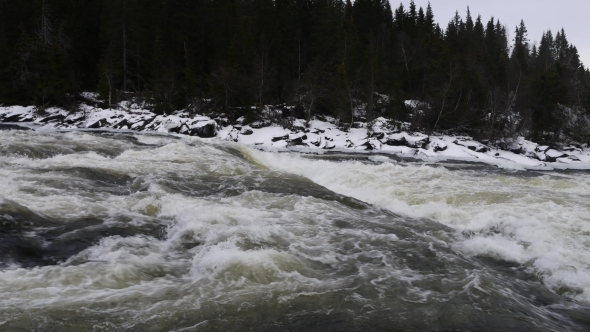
[[98, 124], [438, 146], [13, 127], [14, 118], [396, 140], [540, 156], [53, 118], [377, 134], [121, 124], [371, 144], [139, 125], [296, 139], [476, 147], [173, 128], [552, 155], [246, 130], [204, 129], [280, 138], [417, 142], [260, 124]]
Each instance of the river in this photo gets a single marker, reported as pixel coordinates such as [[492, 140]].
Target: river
[[105, 231]]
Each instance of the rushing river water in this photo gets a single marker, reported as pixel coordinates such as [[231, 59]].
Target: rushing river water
[[130, 232]]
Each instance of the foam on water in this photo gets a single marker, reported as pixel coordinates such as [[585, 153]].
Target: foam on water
[[541, 221], [186, 235]]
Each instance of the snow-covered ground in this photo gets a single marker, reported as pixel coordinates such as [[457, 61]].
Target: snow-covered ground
[[319, 137]]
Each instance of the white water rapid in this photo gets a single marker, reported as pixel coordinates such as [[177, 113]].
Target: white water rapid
[[106, 231]]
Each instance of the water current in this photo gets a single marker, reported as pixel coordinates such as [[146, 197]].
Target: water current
[[104, 231]]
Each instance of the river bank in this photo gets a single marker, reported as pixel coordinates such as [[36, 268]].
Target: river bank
[[381, 137]]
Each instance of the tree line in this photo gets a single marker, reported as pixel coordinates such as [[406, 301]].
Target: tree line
[[330, 57]]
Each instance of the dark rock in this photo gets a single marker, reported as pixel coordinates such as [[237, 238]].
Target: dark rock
[[153, 125], [139, 125], [121, 124], [280, 138], [439, 146], [13, 127], [368, 146], [372, 144], [207, 130], [417, 142], [98, 124], [246, 131], [13, 118], [295, 141], [378, 135], [53, 118], [482, 149], [552, 155], [175, 130], [396, 140]]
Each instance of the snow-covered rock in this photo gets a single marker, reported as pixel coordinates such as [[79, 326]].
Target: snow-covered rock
[[246, 130], [552, 155], [317, 135], [417, 141], [438, 145]]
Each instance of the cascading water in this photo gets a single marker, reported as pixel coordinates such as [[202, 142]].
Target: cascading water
[[111, 231]]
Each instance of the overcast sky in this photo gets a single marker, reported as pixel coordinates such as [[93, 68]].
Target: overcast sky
[[538, 16]]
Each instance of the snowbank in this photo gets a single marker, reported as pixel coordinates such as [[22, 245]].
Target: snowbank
[[318, 137]]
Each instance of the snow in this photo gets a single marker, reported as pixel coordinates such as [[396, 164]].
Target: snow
[[320, 136]]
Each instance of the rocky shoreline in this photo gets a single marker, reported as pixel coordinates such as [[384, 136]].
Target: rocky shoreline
[[316, 137]]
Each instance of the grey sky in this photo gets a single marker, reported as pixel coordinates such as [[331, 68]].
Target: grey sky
[[538, 16]]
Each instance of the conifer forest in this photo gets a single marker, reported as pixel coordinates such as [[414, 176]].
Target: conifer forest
[[319, 57]]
